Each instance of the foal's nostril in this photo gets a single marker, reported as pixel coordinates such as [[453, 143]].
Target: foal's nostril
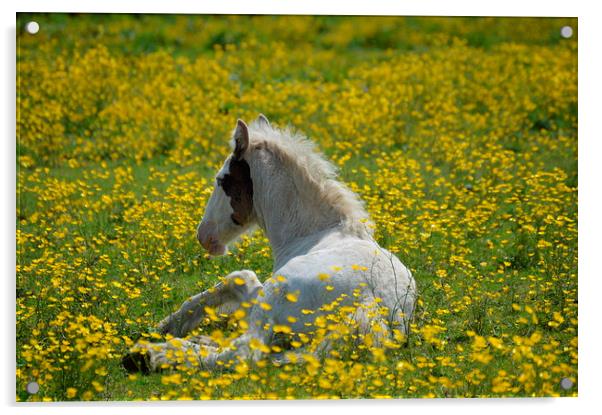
[[198, 234], [207, 233], [201, 236], [208, 236]]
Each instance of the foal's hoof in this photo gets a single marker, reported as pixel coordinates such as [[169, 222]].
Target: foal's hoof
[[136, 362]]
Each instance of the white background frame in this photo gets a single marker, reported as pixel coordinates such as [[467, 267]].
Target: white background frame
[[590, 175]]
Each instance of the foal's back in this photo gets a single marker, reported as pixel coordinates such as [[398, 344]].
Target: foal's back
[[340, 268]]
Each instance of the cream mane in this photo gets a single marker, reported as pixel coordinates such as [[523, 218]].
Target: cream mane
[[314, 176]]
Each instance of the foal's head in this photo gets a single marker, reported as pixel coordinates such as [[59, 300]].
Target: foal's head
[[229, 211]]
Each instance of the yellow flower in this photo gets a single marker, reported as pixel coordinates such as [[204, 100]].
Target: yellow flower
[[279, 328], [323, 276], [239, 314]]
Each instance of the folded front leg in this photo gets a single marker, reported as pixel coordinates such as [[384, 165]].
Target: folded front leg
[[176, 353], [226, 297]]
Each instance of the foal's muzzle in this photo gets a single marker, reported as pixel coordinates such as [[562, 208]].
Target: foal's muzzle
[[207, 235]]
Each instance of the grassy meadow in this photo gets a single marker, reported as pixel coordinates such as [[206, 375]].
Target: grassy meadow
[[460, 134]]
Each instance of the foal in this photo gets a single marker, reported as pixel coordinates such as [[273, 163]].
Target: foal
[[322, 246]]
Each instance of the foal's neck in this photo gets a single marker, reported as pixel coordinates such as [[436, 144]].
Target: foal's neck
[[293, 222], [289, 239]]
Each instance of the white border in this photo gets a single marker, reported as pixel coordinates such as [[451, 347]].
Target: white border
[[372, 7], [590, 66]]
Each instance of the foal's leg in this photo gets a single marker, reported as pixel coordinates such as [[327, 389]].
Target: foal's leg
[[251, 346], [366, 324], [148, 357], [226, 297]]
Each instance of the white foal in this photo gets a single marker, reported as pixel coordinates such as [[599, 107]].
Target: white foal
[[322, 245]]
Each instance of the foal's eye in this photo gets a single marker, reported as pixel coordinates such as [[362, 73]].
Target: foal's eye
[[220, 181]]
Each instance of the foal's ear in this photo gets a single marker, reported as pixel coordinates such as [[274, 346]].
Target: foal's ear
[[262, 120], [241, 139]]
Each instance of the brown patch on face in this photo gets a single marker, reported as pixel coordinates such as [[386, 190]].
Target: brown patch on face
[[237, 184]]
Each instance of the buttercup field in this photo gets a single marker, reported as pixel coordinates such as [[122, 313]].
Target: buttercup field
[[459, 134]]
